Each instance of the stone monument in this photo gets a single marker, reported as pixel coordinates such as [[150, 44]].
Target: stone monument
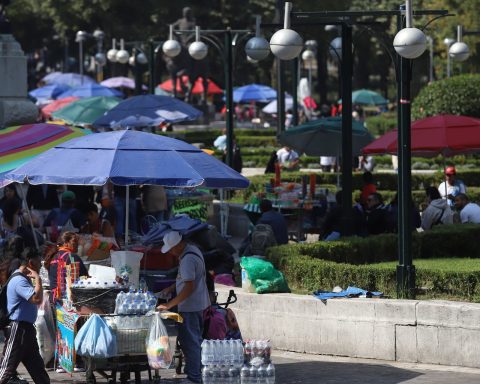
[[15, 107]]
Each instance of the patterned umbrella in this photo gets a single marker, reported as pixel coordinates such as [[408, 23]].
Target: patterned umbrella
[[20, 144], [197, 87]]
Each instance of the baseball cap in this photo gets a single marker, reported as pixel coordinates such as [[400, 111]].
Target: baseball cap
[[450, 171], [170, 240], [68, 196]]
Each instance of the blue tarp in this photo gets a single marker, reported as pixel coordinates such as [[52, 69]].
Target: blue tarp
[[183, 224], [349, 292]]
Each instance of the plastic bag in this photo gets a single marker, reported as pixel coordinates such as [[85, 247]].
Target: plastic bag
[[45, 327], [159, 350], [96, 339], [263, 275]]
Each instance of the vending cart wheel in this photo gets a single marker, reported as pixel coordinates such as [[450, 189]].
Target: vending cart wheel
[[178, 361]]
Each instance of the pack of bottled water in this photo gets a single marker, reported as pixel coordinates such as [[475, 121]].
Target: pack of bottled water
[[225, 362], [134, 302]]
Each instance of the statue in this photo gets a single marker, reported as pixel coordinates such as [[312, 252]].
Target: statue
[[184, 64]]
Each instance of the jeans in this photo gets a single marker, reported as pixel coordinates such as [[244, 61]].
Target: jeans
[[120, 208], [190, 337]]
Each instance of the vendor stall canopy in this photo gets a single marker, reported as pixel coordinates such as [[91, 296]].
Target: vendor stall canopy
[[128, 158]]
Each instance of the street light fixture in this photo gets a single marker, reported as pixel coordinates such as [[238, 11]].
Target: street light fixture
[[198, 49], [122, 55], [286, 44], [112, 53], [459, 51], [257, 48], [171, 47], [410, 42]]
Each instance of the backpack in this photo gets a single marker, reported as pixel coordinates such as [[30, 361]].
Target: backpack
[[4, 314], [214, 324], [262, 238]]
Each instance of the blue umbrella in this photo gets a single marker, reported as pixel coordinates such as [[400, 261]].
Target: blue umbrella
[[128, 158], [254, 92], [50, 91], [70, 79], [91, 90], [147, 111]]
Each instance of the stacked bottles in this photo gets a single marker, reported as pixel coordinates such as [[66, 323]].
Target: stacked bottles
[[258, 367], [134, 303], [222, 360]]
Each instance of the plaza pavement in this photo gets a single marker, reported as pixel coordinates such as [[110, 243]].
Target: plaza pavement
[[293, 368]]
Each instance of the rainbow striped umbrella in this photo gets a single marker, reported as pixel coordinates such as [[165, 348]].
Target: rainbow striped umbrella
[[22, 143]]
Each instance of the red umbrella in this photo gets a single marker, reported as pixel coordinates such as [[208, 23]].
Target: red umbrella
[[56, 105], [446, 135], [197, 87]]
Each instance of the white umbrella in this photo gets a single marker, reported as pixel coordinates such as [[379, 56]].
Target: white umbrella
[[271, 107]]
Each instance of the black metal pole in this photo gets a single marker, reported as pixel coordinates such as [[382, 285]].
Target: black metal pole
[[151, 67], [228, 67], [280, 98], [405, 269], [347, 160], [295, 90]]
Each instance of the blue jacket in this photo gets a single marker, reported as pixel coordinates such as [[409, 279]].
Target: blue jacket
[[278, 223]]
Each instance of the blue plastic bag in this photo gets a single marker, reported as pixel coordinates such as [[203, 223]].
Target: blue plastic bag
[[96, 339]]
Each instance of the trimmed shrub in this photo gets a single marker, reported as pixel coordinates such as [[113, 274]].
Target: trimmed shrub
[[380, 124], [458, 95]]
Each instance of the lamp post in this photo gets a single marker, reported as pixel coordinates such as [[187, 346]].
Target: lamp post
[[80, 37], [198, 50], [100, 58], [409, 43], [430, 61], [448, 42]]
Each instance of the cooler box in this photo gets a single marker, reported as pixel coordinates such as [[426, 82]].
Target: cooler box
[[154, 259]]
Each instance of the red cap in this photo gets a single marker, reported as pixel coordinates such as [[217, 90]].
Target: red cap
[[450, 171]]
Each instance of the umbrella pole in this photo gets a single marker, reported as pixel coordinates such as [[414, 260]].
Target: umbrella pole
[[127, 211], [29, 218], [223, 215], [444, 179]]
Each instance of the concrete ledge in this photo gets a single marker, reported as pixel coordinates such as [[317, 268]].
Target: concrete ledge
[[431, 332]]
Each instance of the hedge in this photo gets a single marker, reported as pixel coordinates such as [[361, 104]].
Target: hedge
[[309, 274], [457, 95], [436, 243], [378, 125]]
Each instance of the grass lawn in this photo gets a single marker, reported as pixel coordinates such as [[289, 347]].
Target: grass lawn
[[441, 265]]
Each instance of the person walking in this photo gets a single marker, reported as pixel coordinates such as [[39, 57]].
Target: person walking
[[21, 344], [192, 299]]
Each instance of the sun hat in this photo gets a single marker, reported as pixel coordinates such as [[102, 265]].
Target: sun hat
[[68, 196], [450, 171], [170, 240]]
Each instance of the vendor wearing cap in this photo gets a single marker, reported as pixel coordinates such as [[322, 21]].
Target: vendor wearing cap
[[192, 299], [451, 187]]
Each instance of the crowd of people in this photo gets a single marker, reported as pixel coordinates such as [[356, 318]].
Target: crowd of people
[[371, 215]]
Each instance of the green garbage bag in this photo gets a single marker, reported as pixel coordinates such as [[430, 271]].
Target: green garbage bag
[[263, 275]]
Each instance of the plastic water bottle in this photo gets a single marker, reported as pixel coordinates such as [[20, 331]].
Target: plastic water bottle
[[240, 353], [205, 361], [142, 285], [262, 374], [270, 374], [207, 374], [245, 374], [253, 374]]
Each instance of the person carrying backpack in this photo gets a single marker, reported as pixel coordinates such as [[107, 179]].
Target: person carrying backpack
[[18, 312]]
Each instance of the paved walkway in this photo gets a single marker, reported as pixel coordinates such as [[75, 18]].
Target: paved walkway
[[293, 368]]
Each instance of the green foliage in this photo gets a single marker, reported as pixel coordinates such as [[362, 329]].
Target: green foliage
[[442, 242], [380, 124], [458, 95]]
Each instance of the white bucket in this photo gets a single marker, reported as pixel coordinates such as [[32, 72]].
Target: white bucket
[[127, 263]]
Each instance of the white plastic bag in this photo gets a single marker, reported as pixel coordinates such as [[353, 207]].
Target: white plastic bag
[[159, 349], [96, 339], [45, 330]]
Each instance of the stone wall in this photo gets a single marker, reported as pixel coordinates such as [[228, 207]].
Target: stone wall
[[433, 332]]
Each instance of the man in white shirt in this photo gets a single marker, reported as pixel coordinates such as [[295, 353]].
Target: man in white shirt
[[221, 141], [451, 187], [469, 212], [288, 158]]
